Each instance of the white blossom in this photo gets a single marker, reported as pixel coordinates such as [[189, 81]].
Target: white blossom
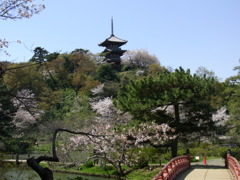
[[18, 9], [220, 117], [23, 118], [104, 107], [28, 111], [118, 145], [98, 90]]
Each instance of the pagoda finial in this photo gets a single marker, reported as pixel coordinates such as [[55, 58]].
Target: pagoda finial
[[112, 25]]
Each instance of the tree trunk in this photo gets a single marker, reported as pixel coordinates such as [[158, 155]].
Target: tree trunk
[[44, 173], [174, 148]]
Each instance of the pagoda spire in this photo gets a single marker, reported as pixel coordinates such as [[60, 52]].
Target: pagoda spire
[[112, 26], [113, 51]]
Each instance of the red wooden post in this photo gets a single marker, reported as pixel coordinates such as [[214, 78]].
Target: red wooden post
[[205, 160]]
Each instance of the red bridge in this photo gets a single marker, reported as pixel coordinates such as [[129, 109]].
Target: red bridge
[[179, 168]]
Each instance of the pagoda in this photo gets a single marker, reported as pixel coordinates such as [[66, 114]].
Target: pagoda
[[113, 52]]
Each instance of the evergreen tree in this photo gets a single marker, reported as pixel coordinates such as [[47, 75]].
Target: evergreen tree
[[39, 55], [232, 96], [182, 100], [7, 111]]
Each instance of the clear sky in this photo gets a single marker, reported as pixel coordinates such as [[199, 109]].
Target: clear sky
[[187, 33]]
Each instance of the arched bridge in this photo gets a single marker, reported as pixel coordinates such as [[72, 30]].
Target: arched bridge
[[180, 168]]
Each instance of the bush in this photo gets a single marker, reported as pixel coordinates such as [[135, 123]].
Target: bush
[[105, 73], [235, 152], [88, 164], [142, 163], [17, 146]]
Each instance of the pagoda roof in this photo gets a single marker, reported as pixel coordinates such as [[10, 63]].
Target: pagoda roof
[[118, 51], [113, 40]]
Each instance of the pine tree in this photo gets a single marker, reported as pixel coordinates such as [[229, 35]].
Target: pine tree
[[182, 100]]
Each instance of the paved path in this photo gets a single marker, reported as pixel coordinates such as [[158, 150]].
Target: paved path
[[214, 170]]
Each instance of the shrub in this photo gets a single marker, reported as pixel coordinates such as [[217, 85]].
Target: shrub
[[88, 164]]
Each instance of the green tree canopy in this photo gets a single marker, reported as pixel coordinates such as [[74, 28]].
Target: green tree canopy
[[232, 96], [182, 100], [105, 73], [39, 55]]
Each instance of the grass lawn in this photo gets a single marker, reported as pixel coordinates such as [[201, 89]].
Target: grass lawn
[[143, 174], [140, 174]]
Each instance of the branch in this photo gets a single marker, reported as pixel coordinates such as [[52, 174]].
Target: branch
[[3, 71], [46, 173]]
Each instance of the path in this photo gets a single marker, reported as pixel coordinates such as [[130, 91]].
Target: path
[[214, 170]]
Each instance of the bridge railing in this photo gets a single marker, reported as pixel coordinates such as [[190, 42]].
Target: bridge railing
[[173, 168], [233, 165]]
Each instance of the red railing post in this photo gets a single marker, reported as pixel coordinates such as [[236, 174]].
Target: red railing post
[[173, 168], [233, 165]]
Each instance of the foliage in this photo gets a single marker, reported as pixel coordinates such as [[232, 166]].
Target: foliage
[[105, 73], [74, 71], [122, 146], [106, 170], [155, 69], [39, 55], [202, 71], [156, 99], [155, 109], [232, 95], [181, 100], [24, 76], [88, 164], [18, 145], [139, 59], [61, 105], [7, 111]]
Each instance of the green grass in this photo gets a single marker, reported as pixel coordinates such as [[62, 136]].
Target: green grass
[[108, 170], [143, 174], [140, 174]]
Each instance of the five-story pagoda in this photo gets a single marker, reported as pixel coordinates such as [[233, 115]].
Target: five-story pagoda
[[113, 52]]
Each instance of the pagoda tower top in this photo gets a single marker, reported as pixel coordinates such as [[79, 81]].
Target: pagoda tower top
[[112, 40], [113, 52], [112, 26]]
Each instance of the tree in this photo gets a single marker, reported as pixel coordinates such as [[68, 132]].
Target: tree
[[75, 70], [232, 95], [34, 163], [182, 100], [139, 59], [40, 55], [121, 146], [105, 73], [7, 111], [24, 76], [17, 9], [202, 71], [12, 9]]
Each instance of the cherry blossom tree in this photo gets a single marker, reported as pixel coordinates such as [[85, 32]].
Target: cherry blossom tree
[[105, 108], [121, 146], [221, 116], [34, 163], [117, 143], [18, 9], [139, 59], [27, 109], [14, 10]]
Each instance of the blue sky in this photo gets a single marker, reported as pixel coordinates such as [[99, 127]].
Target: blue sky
[[187, 33]]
